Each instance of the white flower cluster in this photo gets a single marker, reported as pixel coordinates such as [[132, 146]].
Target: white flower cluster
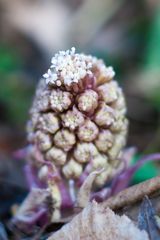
[[68, 67]]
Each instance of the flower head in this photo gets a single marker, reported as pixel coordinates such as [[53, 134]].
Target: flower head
[[77, 122]]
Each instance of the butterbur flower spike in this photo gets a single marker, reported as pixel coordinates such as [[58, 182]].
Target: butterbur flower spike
[[78, 124]]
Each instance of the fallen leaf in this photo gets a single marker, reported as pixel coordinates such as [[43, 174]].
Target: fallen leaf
[[147, 220], [97, 222], [3, 234]]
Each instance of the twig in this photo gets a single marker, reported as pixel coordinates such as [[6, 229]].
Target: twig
[[133, 194]]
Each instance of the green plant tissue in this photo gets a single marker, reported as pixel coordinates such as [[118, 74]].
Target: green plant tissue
[[147, 171]]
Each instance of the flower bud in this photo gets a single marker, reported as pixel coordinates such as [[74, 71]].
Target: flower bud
[[60, 100], [88, 131], [104, 141], [48, 122], [64, 139], [72, 119], [41, 102], [105, 116], [120, 103], [120, 141], [72, 169], [120, 124], [57, 156], [88, 101], [34, 119], [104, 74], [108, 92], [43, 140], [84, 152], [100, 161]]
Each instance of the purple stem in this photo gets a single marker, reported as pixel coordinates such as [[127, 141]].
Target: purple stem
[[27, 223], [31, 177], [32, 218], [53, 172], [123, 179], [84, 174], [20, 153], [66, 199], [72, 192], [101, 195]]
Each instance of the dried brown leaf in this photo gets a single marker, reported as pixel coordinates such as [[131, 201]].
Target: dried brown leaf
[[36, 198], [97, 222], [34, 208]]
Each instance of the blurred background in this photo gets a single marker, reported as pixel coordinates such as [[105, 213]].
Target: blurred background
[[126, 34]]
